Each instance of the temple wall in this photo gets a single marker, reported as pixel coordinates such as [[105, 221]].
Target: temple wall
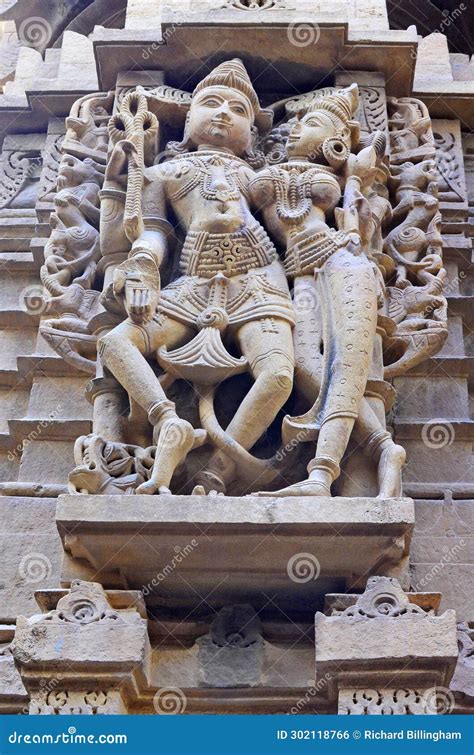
[[43, 407]]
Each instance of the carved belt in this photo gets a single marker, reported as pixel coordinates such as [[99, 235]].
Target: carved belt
[[206, 254], [310, 254]]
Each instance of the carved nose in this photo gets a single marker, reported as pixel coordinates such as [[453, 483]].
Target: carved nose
[[224, 112]]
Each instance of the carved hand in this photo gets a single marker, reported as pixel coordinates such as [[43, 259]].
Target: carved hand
[[140, 301], [123, 152], [138, 280]]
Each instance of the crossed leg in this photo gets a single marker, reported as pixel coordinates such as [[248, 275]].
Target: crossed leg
[[269, 351], [123, 351]]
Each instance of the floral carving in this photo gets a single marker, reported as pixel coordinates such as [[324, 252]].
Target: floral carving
[[385, 702], [86, 603]]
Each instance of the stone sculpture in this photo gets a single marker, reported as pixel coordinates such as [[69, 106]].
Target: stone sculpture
[[241, 223], [297, 196]]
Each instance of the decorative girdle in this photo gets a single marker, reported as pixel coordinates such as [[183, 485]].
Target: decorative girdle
[[296, 265]]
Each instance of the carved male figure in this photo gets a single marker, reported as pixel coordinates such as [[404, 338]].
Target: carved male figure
[[231, 276]]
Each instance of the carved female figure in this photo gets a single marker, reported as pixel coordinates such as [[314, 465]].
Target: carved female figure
[[297, 198]]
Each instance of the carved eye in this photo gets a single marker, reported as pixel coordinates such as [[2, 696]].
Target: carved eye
[[211, 102], [239, 109]]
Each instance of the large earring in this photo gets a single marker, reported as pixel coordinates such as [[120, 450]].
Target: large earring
[[255, 157], [335, 152]]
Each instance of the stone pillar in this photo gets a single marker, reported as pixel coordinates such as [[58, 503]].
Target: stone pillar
[[386, 652], [84, 656]]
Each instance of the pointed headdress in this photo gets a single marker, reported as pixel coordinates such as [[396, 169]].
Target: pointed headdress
[[173, 104]]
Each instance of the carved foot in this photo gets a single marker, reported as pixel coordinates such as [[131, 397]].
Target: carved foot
[[210, 483], [199, 490], [176, 439], [391, 463], [150, 488], [312, 488]]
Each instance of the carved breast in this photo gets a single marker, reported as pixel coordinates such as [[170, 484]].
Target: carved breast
[[295, 189]]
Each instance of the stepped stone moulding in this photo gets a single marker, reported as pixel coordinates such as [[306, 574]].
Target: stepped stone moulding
[[83, 656]]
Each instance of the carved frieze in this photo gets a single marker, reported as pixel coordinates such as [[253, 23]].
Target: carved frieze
[[166, 254], [49, 174], [386, 702], [450, 164]]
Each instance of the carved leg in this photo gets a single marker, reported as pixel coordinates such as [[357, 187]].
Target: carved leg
[[271, 360], [123, 353], [348, 291], [324, 468], [371, 434]]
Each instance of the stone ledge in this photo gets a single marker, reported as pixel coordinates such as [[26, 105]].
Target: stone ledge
[[180, 549]]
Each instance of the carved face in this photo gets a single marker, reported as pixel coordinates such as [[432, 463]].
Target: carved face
[[308, 134], [74, 172], [221, 117]]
